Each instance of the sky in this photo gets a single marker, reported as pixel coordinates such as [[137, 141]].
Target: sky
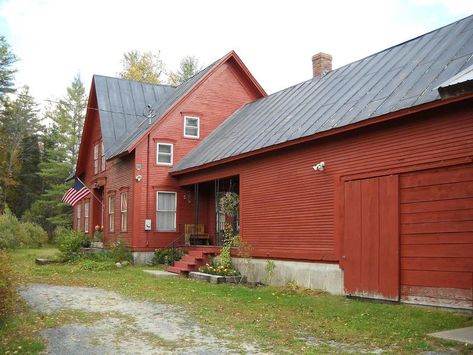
[[58, 39]]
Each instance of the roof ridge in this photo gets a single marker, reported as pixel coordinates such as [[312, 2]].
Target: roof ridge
[[136, 81]]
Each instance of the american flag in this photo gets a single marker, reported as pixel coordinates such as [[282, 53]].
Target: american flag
[[75, 193]]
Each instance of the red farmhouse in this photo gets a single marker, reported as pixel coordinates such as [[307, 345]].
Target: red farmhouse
[[358, 181]]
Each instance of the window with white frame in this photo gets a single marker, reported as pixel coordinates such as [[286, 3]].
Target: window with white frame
[[191, 127], [78, 216], [123, 211], [86, 216], [164, 154], [96, 158], [111, 213], [166, 211], [102, 162]]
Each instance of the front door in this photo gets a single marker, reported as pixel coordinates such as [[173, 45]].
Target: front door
[[370, 254]]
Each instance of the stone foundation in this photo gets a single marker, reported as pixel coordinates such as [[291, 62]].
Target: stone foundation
[[142, 257], [326, 277]]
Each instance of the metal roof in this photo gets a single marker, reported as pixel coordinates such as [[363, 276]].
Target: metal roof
[[121, 107], [117, 97], [399, 77]]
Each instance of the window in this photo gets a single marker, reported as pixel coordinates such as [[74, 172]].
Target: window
[[191, 127], [166, 211], [86, 216], [96, 158], [164, 154], [78, 216], [102, 162], [111, 213], [123, 210]]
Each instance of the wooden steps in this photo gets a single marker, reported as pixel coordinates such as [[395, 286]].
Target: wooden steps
[[191, 261]]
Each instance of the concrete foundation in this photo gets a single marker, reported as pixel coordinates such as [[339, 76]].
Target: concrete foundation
[[326, 277], [142, 257]]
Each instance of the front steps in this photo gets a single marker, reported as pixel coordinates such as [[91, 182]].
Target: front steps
[[191, 261]]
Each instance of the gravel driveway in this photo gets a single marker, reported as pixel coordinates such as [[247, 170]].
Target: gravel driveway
[[124, 326]]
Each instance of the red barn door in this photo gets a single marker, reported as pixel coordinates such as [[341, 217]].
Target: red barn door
[[370, 256]]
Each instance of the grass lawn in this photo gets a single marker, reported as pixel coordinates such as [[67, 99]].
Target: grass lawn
[[279, 320]]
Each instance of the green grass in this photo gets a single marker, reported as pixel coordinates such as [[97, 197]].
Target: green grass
[[278, 319]]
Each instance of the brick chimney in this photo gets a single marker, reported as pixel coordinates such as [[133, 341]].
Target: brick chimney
[[321, 64]]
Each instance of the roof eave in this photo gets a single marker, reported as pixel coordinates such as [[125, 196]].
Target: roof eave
[[364, 123]]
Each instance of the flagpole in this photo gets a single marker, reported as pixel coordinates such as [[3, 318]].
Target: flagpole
[[101, 203]]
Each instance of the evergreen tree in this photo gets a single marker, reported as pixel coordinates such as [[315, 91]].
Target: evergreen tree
[[7, 59], [188, 67], [60, 143], [18, 120]]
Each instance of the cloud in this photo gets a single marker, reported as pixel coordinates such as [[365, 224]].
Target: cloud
[[55, 39]]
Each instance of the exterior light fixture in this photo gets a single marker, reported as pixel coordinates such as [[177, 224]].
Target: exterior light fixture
[[319, 166]]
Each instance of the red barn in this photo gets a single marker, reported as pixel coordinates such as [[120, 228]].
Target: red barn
[[358, 181]]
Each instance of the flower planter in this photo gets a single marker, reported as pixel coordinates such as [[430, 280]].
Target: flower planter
[[215, 279]]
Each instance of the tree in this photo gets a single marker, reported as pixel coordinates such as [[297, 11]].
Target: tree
[[61, 143], [7, 59], [146, 67], [68, 119], [188, 67], [18, 120]]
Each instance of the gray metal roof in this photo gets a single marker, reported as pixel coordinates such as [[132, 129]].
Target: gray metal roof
[[121, 105], [399, 77], [133, 126]]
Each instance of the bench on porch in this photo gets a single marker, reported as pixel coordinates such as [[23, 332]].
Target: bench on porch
[[193, 232]]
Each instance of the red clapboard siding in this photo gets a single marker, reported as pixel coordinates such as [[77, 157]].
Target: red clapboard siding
[[437, 236], [286, 204], [436, 278]]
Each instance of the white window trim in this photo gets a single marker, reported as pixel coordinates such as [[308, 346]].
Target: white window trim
[[86, 216], [102, 157], [175, 211], [157, 153], [198, 127], [79, 216], [96, 159], [111, 213], [124, 213]]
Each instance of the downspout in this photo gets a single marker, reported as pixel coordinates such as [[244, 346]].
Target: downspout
[[147, 188]]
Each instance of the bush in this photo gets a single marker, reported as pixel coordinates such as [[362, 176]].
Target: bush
[[166, 256], [120, 252], [36, 235], [94, 265], [9, 227], [69, 243], [7, 287], [14, 234], [102, 256]]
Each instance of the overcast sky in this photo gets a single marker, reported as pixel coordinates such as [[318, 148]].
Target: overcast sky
[[55, 39]]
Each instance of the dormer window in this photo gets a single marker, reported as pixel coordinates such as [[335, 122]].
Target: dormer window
[[164, 154], [191, 127]]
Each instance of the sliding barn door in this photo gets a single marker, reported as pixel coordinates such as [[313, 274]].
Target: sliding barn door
[[370, 254]]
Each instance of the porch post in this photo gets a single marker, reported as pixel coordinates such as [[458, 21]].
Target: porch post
[[196, 207]]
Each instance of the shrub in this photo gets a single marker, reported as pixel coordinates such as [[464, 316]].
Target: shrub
[[69, 244], [166, 256], [7, 287], [102, 256], [94, 265], [120, 252], [9, 227], [36, 235]]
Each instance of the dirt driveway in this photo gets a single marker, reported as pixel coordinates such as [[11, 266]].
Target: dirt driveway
[[121, 325]]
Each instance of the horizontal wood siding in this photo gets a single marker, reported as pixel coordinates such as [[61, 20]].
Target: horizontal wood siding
[[222, 93], [288, 210], [437, 236]]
